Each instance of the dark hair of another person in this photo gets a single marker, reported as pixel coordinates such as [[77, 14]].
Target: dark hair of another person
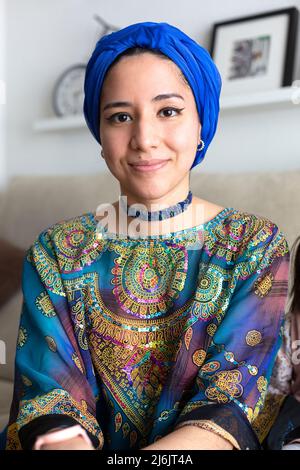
[[295, 292]]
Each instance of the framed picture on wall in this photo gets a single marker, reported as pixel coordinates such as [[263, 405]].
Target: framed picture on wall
[[256, 53]]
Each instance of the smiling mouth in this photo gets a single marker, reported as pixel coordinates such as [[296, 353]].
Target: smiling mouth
[[149, 166]]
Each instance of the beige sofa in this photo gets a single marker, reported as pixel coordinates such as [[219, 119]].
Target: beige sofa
[[33, 203]]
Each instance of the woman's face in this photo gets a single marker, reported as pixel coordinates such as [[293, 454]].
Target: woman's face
[[138, 124]]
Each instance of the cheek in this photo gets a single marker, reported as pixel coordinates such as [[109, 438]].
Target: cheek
[[113, 145], [185, 137]]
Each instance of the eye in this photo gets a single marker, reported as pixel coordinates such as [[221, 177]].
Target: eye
[[114, 117], [177, 111]]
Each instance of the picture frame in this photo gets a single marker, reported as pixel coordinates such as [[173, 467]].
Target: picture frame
[[256, 53]]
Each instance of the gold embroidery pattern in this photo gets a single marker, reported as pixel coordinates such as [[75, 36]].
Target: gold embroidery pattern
[[147, 378], [26, 381], [58, 402], [226, 384], [76, 243], [263, 285], [47, 269], [228, 240], [199, 357], [133, 362], [146, 286], [125, 429], [192, 405], [277, 248], [118, 421], [253, 337], [262, 384], [187, 337], [77, 362], [249, 413], [211, 366], [22, 337], [12, 438], [210, 299], [44, 304], [264, 418], [95, 304], [211, 426], [211, 329], [253, 370], [261, 402], [51, 343], [78, 314], [134, 377], [229, 356]]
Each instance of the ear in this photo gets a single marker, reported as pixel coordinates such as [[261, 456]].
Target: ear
[[199, 131]]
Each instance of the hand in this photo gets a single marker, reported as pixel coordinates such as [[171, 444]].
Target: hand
[[76, 443], [293, 445], [190, 437]]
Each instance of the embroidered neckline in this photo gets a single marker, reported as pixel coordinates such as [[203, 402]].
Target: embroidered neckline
[[110, 236]]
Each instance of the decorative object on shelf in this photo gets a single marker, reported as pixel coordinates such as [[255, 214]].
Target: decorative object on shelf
[[68, 93], [256, 53]]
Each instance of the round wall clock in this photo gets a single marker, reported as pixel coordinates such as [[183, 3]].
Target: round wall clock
[[68, 93]]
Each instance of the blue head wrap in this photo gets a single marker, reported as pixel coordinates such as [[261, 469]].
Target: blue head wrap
[[193, 60]]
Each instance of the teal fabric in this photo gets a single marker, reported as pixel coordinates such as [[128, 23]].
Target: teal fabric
[[135, 337]]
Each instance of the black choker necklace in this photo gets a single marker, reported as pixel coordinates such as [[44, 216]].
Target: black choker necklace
[[157, 215]]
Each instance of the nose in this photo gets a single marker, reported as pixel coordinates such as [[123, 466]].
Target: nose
[[145, 134]]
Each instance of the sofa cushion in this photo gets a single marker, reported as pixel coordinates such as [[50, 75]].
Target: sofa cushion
[[9, 324], [49, 199], [274, 195], [11, 262]]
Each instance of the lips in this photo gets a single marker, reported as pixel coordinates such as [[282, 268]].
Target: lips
[[148, 165]]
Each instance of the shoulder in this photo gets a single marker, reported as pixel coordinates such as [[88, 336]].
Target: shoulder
[[70, 243], [240, 233]]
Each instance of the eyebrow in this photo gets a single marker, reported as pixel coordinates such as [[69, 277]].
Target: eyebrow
[[117, 104]]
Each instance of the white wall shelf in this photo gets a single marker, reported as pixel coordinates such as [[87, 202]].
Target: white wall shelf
[[59, 123], [287, 96]]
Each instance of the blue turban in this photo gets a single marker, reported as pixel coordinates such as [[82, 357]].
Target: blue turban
[[193, 60]]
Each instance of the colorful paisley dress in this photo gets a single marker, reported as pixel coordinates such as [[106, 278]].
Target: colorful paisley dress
[[134, 337]]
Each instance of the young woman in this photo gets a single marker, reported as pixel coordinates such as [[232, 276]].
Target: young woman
[[295, 320], [160, 331], [285, 433]]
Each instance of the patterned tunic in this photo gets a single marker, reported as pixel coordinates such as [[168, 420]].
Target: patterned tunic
[[135, 337]]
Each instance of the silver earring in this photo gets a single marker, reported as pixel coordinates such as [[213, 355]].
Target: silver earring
[[102, 153], [202, 146]]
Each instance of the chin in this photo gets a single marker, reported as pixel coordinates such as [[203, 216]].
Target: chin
[[152, 193]]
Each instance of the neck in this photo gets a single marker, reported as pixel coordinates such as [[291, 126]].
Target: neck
[[155, 204], [192, 216]]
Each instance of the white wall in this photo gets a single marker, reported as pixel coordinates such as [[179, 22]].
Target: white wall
[[2, 96], [45, 37]]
